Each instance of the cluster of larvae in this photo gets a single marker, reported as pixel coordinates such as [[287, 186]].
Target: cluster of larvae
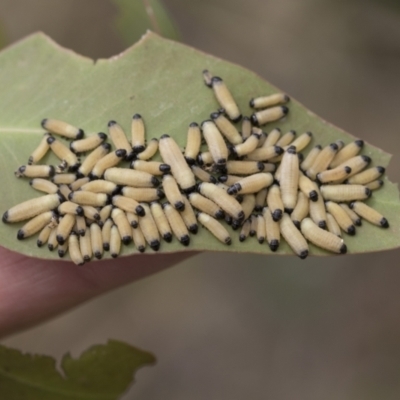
[[258, 183]]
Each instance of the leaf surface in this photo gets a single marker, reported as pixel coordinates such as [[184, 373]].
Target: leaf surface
[[161, 80], [103, 372]]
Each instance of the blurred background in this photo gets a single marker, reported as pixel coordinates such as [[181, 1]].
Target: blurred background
[[227, 326]]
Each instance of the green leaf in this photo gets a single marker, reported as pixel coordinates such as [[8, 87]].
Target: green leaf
[[103, 372], [136, 17], [162, 81]]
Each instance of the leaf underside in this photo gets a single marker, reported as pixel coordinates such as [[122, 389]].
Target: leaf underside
[[103, 372], [161, 80]]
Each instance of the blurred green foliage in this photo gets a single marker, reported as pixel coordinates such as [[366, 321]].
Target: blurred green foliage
[[137, 16], [101, 372]]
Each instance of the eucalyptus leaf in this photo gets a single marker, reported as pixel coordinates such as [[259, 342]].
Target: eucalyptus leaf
[[103, 372], [136, 17], [161, 80]]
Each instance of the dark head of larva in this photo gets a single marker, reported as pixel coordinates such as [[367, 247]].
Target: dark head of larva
[[292, 150], [277, 215], [322, 224], [137, 149], [106, 146], [285, 110], [351, 230], [98, 254], [50, 139], [232, 190], [334, 146], [102, 135], [80, 134], [251, 103], [237, 119], [160, 194], [313, 195], [366, 159], [309, 134], [93, 177], [71, 196], [43, 123], [221, 161], [228, 219], [279, 150], [137, 116], [190, 161], [368, 192], [22, 169], [72, 168], [223, 178], [384, 223], [194, 228], [61, 253], [213, 179], [228, 241], [296, 224], [180, 206], [236, 224], [165, 168], [167, 236], [200, 159], [140, 211], [343, 249], [220, 214], [164, 136], [126, 239], [214, 115], [61, 196], [239, 198], [120, 153], [240, 216], [60, 239], [155, 244], [111, 123], [185, 240], [117, 190], [380, 169], [273, 245], [194, 125], [359, 143], [254, 120], [347, 169], [79, 211], [303, 254], [220, 168], [216, 80], [20, 234], [260, 166], [154, 181]]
